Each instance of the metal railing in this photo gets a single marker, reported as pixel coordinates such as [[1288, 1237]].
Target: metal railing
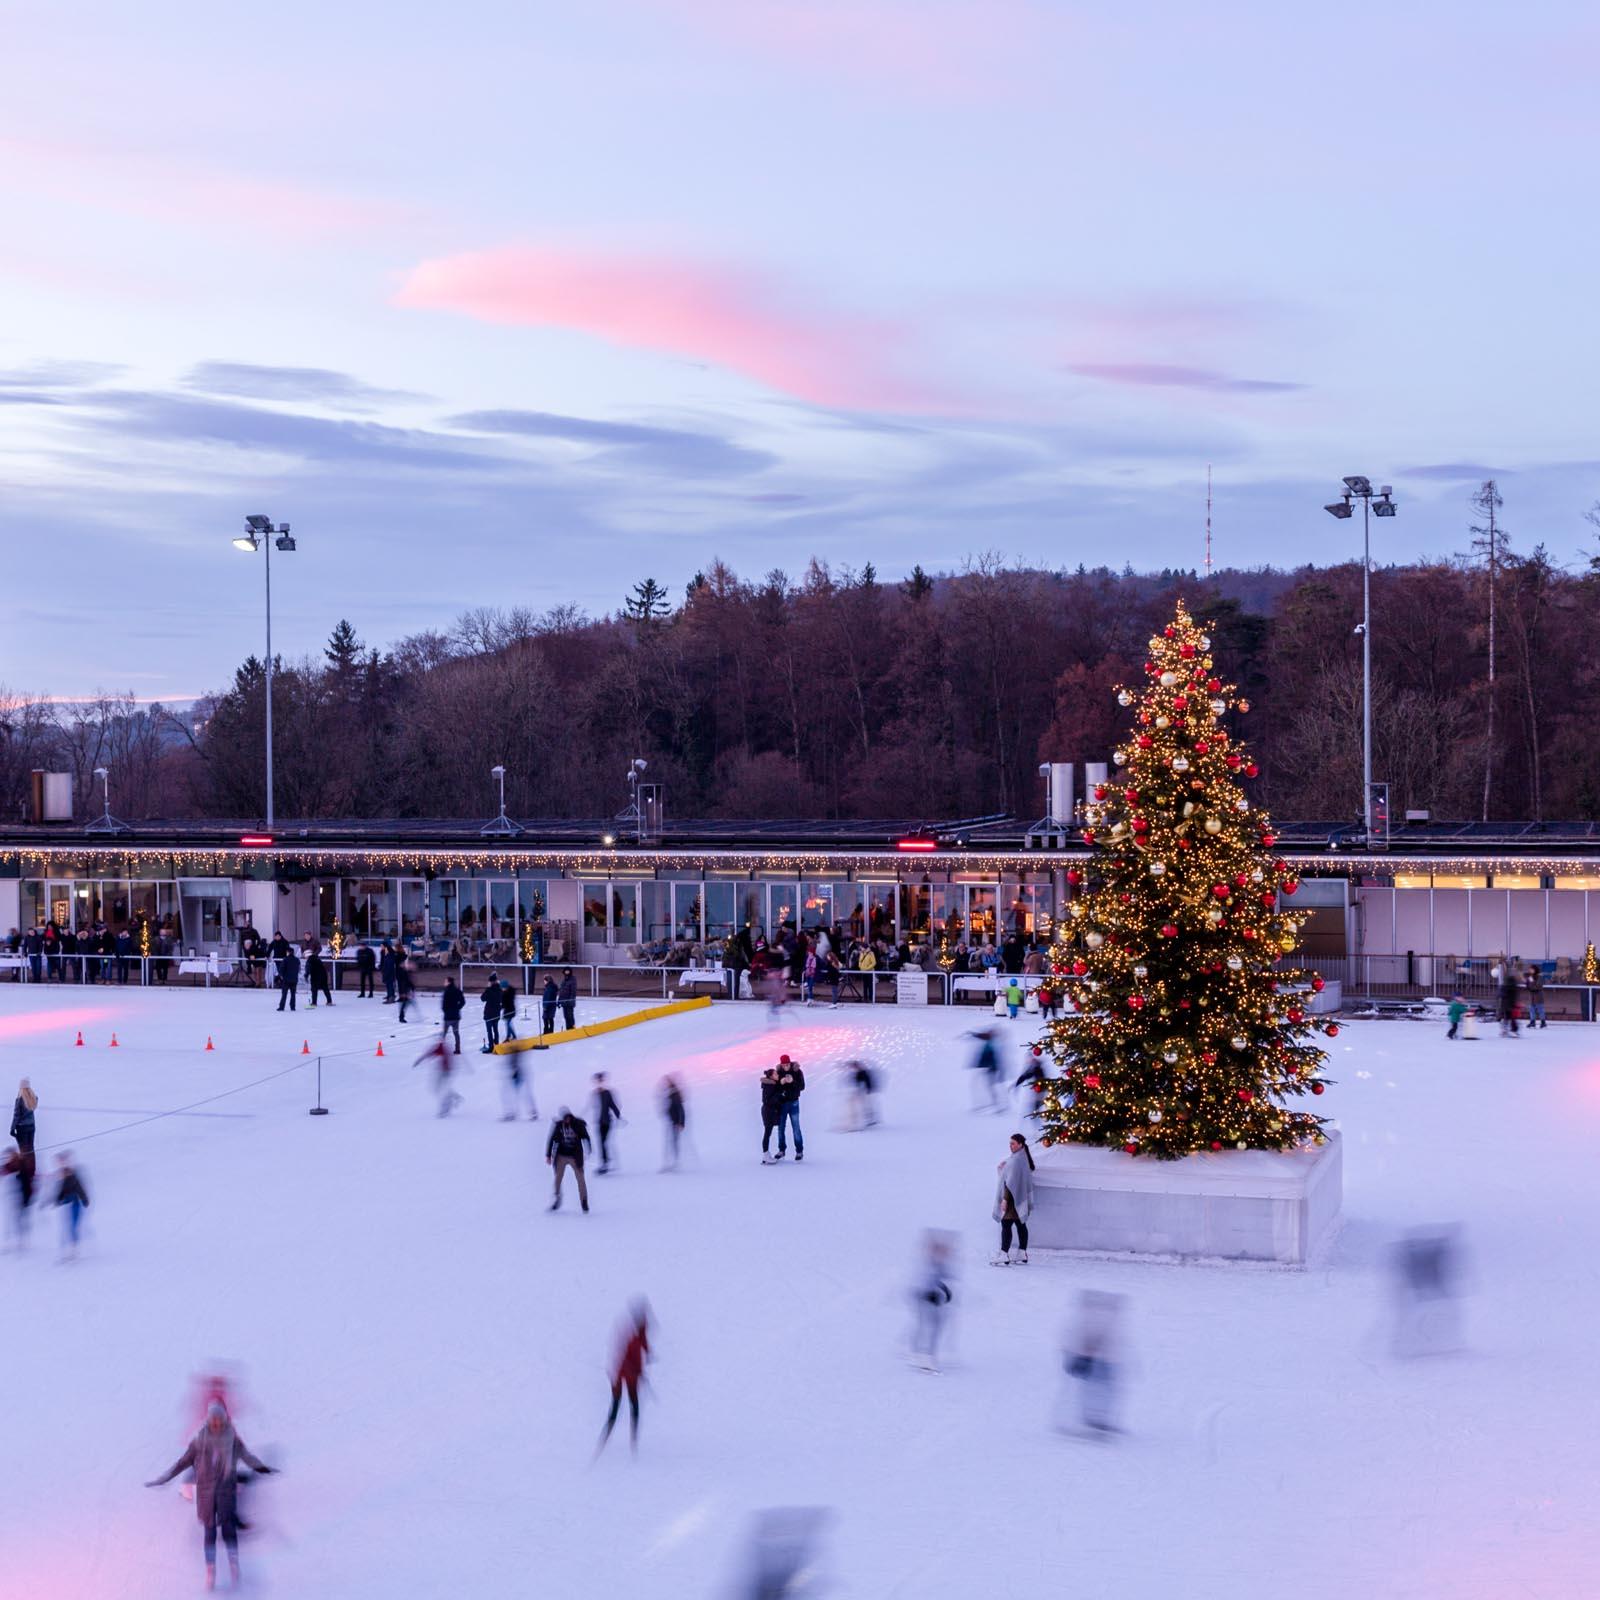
[[528, 969]]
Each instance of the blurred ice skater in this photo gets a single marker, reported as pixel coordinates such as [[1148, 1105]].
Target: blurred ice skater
[[1029, 1083], [517, 1089], [675, 1116], [987, 1065], [863, 1085], [931, 1295], [19, 1167], [214, 1455], [443, 1075], [71, 1193], [627, 1372], [1091, 1359], [1426, 1287], [782, 1561], [607, 1114]]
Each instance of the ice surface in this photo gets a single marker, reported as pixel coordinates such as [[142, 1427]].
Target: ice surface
[[425, 1344]]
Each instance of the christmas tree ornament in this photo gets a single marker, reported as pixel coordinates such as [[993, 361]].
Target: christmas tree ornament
[[1213, 824], [1094, 939], [1167, 679], [1235, 962], [1180, 763], [1239, 1042], [1157, 868], [1123, 699], [1163, 722], [1155, 1114], [1218, 707]]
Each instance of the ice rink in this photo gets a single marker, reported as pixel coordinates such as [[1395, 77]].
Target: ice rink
[[424, 1345]]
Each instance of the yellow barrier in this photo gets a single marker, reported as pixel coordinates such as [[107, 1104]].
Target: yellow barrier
[[610, 1025]]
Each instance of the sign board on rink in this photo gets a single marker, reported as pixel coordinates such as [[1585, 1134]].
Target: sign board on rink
[[910, 987]]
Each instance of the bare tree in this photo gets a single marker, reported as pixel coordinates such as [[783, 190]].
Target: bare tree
[[1489, 539]]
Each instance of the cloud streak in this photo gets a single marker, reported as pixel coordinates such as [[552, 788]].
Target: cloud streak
[[674, 450], [1162, 375], [731, 319], [304, 385]]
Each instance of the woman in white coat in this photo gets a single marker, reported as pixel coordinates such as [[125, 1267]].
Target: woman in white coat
[[1013, 1201]]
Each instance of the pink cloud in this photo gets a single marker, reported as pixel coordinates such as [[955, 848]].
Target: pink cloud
[[729, 318]]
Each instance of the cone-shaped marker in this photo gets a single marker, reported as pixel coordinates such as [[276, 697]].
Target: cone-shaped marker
[[305, 1047], [380, 1047], [80, 1038], [209, 1045], [113, 1041]]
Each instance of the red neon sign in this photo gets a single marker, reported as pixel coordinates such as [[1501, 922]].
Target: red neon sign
[[255, 840]]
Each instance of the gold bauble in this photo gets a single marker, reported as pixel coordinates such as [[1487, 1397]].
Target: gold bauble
[[1163, 722], [1213, 824]]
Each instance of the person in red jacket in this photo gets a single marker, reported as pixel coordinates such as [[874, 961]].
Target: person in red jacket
[[633, 1350]]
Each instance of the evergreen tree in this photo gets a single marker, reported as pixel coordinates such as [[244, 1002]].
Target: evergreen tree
[[647, 603], [343, 649], [918, 586], [1184, 1034]]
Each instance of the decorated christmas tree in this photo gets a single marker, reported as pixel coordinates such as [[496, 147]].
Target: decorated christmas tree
[[1182, 1033]]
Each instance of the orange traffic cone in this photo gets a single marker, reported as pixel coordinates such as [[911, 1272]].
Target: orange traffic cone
[[380, 1047], [209, 1045], [113, 1041], [80, 1037], [305, 1047]]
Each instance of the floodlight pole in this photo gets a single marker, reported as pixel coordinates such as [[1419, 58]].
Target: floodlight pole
[[268, 542], [1366, 667]]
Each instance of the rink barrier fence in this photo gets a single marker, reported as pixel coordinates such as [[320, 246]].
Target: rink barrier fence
[[592, 1030]]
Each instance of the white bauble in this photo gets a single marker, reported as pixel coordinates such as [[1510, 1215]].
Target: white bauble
[[1093, 939], [1235, 963], [1239, 1042], [1168, 679], [1180, 763], [1219, 706], [1213, 824], [1157, 868], [1124, 699]]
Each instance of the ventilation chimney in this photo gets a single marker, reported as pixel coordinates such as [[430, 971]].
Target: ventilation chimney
[[52, 796]]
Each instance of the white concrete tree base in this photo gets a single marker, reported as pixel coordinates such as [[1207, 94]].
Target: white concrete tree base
[[1237, 1205]]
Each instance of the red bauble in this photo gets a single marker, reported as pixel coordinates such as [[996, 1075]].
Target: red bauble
[[1220, 890], [1266, 899], [1184, 844], [1135, 1002], [1131, 796], [1187, 652], [1290, 885], [1213, 684], [1318, 985], [1092, 1081], [1131, 1148], [1246, 1094], [1233, 763], [1088, 835], [1248, 933], [1215, 1144], [1074, 876], [1037, 1052], [1333, 1028], [1047, 1141], [1100, 791], [1126, 899], [1038, 1088], [1183, 1005], [1141, 824], [1209, 1057], [1269, 839], [1240, 881], [1080, 967], [1169, 631], [1169, 930], [1201, 748], [1144, 741], [1316, 1088], [1181, 703], [1252, 771], [1295, 1015]]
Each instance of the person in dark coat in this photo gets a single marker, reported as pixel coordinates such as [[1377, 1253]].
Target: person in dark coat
[[366, 966], [288, 979], [736, 953], [451, 1004], [608, 1114], [317, 976], [1508, 1000], [405, 984], [24, 1126], [70, 1193], [549, 998], [771, 1112], [124, 950], [491, 1013], [508, 1010], [386, 971], [568, 995], [792, 1083], [672, 1108], [214, 1455], [569, 1138]]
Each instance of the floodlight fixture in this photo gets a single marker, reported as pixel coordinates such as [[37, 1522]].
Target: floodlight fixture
[[1358, 485], [1340, 509], [247, 541]]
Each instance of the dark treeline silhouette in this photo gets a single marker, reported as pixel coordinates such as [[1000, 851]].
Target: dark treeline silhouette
[[839, 695]]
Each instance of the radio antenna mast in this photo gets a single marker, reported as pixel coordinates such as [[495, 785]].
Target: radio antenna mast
[[1208, 519]]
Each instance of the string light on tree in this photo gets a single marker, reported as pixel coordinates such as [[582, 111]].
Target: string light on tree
[[1183, 1034]]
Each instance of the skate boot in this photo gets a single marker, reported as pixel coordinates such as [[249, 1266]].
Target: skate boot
[[233, 1570], [1001, 1258], [1022, 1256]]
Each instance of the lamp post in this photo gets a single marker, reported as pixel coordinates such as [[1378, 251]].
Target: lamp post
[[106, 823], [1380, 503], [502, 827], [261, 533]]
